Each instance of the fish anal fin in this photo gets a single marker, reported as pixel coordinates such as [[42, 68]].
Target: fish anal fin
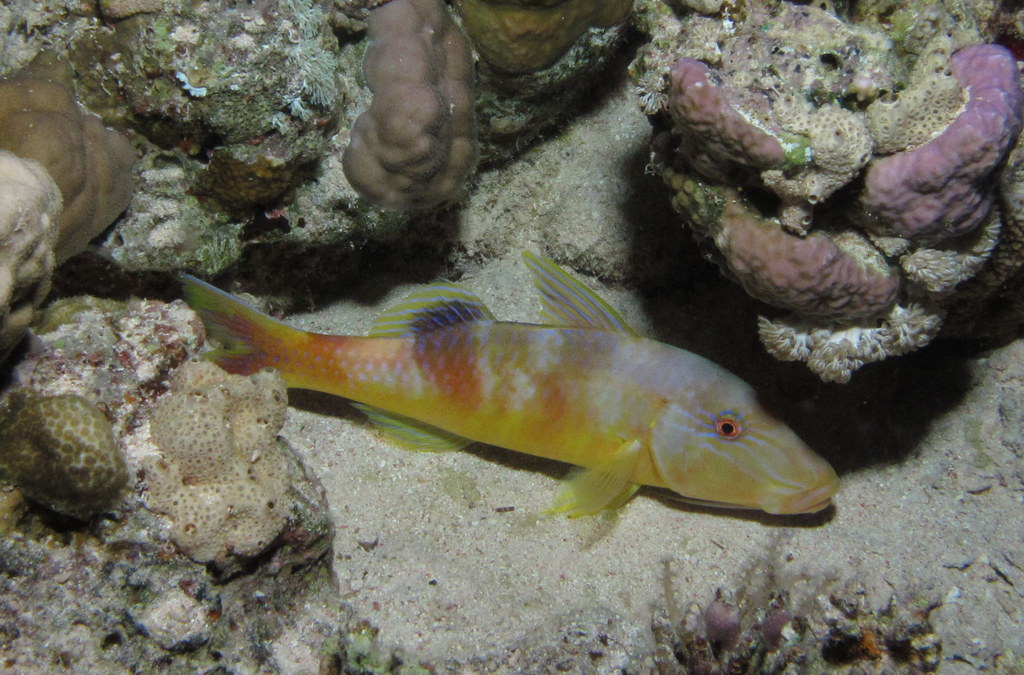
[[430, 308], [605, 486], [412, 434], [567, 302]]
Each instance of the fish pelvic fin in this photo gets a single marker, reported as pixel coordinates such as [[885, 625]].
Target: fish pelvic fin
[[235, 325], [429, 308], [567, 302], [411, 434], [605, 486]]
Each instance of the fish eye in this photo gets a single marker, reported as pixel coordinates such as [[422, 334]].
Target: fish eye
[[727, 425]]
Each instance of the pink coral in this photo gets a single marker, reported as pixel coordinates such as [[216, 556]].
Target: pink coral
[[416, 144], [712, 129], [943, 187]]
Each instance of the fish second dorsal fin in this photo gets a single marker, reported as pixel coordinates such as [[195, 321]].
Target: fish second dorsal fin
[[430, 308], [567, 302]]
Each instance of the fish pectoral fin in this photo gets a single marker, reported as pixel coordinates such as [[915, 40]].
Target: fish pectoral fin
[[412, 434], [605, 486]]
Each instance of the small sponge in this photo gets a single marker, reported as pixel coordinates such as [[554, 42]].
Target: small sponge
[[221, 477], [59, 450], [415, 146]]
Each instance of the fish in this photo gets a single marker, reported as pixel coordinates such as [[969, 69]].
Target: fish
[[438, 372]]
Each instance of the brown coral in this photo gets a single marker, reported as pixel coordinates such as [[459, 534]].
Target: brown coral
[[416, 144], [40, 120], [522, 36], [59, 450]]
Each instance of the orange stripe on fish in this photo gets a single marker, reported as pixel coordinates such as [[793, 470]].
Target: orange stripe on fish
[[438, 372]]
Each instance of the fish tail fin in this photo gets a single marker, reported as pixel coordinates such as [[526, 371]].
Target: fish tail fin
[[237, 326]]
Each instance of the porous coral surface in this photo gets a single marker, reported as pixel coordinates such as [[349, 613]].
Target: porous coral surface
[[220, 475], [29, 205], [60, 451]]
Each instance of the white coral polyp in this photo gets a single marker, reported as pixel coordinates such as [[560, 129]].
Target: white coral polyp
[[835, 353]]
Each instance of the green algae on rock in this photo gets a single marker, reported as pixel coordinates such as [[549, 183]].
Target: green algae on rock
[[60, 452]]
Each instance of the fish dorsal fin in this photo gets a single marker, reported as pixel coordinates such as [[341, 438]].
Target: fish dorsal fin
[[429, 308], [567, 302], [412, 434]]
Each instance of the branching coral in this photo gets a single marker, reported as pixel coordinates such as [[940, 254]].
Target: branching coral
[[220, 475], [40, 120], [60, 452], [415, 146], [776, 158]]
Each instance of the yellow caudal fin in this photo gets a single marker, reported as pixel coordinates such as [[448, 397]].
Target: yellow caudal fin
[[233, 324]]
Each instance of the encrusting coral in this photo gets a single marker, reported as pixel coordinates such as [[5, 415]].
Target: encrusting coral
[[220, 475], [415, 146], [59, 451], [29, 204], [40, 120], [823, 188]]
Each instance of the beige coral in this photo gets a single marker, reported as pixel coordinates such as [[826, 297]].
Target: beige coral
[[221, 475], [29, 205], [40, 120]]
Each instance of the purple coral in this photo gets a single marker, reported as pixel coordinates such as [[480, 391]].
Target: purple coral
[[710, 126], [942, 188], [415, 146], [818, 276]]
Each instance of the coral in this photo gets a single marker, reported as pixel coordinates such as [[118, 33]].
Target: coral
[[122, 9], [415, 146], [523, 36], [40, 120], [943, 188], [777, 637], [817, 276], [246, 94], [60, 452], [29, 204], [220, 474], [832, 180], [718, 139], [834, 352]]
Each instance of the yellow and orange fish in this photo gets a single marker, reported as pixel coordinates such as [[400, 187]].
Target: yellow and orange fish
[[438, 372]]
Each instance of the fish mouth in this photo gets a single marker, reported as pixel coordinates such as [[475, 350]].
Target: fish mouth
[[814, 500]]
